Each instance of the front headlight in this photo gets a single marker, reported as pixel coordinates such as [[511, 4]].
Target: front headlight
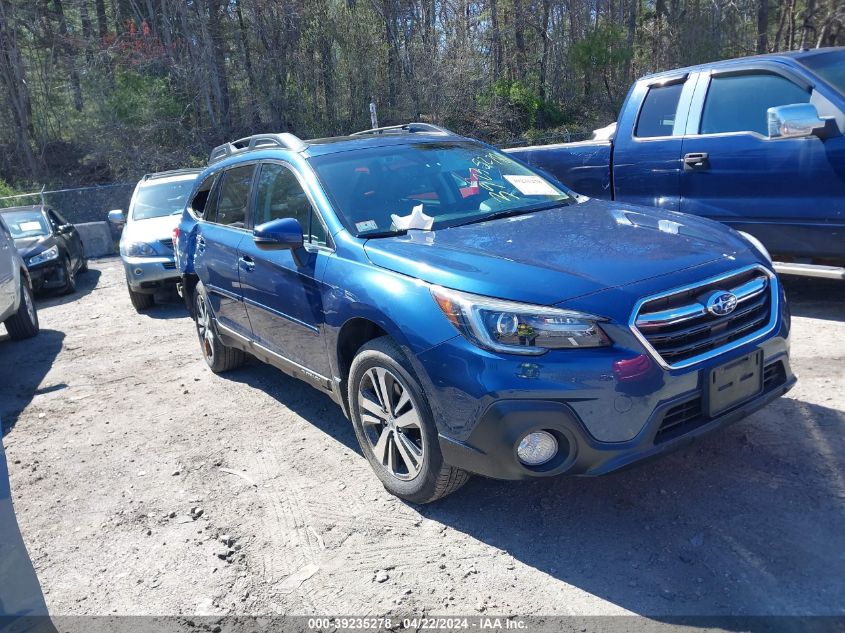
[[757, 245], [518, 328], [44, 256], [139, 249]]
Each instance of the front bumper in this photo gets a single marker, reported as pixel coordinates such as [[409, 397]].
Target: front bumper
[[607, 407], [148, 274], [48, 275]]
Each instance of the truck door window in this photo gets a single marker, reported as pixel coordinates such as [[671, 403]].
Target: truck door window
[[281, 196], [657, 116], [738, 103]]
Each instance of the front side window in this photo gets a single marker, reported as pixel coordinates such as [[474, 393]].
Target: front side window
[[234, 196], [660, 106], [26, 224], [281, 196], [739, 103], [157, 198], [452, 182]]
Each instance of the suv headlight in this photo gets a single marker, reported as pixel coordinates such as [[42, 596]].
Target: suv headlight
[[757, 245], [518, 328], [139, 249], [44, 256]]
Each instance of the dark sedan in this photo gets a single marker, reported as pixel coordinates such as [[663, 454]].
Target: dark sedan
[[49, 245]]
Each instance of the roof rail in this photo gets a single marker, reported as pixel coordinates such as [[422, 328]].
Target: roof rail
[[407, 128], [285, 140], [171, 172]]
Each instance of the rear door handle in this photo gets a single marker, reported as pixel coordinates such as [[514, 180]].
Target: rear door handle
[[246, 263], [696, 161]]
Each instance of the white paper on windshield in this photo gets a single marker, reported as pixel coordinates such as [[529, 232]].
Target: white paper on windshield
[[417, 220], [30, 226], [532, 186]]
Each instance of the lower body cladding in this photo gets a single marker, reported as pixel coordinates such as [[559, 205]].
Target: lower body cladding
[[149, 274], [598, 420]]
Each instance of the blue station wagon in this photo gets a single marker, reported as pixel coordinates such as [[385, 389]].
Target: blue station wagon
[[471, 314]]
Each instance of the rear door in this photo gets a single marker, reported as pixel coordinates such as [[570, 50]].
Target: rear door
[[219, 233], [646, 161], [788, 192], [283, 297]]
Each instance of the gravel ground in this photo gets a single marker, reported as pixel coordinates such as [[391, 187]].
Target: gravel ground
[[145, 484]]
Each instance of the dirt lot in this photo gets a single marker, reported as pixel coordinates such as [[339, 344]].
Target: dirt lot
[[118, 431]]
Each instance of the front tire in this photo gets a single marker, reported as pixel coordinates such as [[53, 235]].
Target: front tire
[[70, 277], [395, 427], [218, 357], [141, 301], [23, 323]]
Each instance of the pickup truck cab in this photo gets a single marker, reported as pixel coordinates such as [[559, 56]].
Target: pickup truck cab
[[469, 314], [756, 143]]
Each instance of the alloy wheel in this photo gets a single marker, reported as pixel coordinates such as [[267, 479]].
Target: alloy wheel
[[391, 422], [204, 329], [30, 305]]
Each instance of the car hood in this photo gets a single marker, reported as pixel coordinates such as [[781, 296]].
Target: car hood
[[151, 229], [29, 246], [551, 256]]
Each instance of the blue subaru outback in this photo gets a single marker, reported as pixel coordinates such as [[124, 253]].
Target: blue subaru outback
[[472, 315]]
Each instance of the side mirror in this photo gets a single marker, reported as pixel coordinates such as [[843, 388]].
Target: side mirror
[[276, 235], [116, 217], [66, 229], [794, 121]]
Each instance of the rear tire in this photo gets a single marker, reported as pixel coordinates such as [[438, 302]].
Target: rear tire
[[23, 323], [219, 357], [141, 301], [395, 427]]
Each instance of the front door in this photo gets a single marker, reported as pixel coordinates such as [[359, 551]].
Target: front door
[[7, 275], [219, 234], [283, 296], [788, 192]]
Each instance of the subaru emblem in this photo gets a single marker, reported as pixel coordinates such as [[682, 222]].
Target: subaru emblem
[[721, 303]]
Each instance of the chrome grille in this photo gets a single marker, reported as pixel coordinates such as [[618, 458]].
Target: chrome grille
[[679, 329]]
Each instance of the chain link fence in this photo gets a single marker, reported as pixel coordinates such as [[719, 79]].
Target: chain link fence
[[78, 205]]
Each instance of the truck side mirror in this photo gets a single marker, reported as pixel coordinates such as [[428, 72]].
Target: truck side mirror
[[117, 218], [794, 121]]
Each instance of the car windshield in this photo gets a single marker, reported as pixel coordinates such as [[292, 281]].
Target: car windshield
[[157, 199], [830, 67], [377, 190], [26, 223]]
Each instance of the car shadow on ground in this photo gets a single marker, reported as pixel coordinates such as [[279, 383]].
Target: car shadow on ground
[[815, 298], [168, 305], [23, 366], [85, 283], [746, 521]]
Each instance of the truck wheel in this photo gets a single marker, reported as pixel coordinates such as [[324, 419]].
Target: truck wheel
[[218, 357], [23, 323], [140, 301], [395, 427]]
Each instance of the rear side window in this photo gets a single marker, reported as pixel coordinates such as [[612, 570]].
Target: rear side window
[[234, 196], [660, 107], [200, 204], [739, 103], [281, 196]]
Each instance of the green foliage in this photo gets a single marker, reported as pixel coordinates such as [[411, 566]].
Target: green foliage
[[521, 104], [6, 189], [601, 50], [137, 99]]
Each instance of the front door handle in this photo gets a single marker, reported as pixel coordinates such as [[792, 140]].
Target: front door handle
[[696, 161], [246, 263]]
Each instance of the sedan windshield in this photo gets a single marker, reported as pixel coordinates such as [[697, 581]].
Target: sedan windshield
[[26, 224], [158, 199], [384, 190]]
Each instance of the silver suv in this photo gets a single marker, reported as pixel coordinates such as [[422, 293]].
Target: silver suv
[[17, 307], [146, 246]]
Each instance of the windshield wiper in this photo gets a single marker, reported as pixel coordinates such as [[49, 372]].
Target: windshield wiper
[[377, 234], [509, 213]]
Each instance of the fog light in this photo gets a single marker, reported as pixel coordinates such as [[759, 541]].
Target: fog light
[[139, 271], [536, 448]]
